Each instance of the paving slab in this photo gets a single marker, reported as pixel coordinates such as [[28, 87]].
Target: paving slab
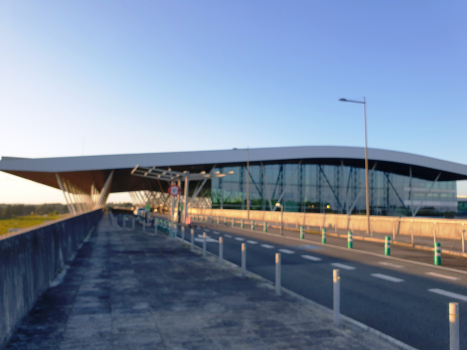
[[135, 290]]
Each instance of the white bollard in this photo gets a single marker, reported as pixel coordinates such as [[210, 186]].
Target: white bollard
[[278, 274], [192, 239], [337, 296], [243, 259], [204, 244], [453, 326], [221, 250]]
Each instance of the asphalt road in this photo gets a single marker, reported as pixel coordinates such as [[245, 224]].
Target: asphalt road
[[403, 299]]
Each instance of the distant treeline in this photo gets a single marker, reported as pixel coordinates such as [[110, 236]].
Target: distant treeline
[[8, 211]]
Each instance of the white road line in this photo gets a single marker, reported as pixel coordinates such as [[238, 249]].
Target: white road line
[[442, 276], [286, 251], [343, 266], [310, 257], [387, 278], [448, 294], [252, 242], [206, 229], [391, 265], [215, 232], [239, 238], [267, 246], [229, 236]]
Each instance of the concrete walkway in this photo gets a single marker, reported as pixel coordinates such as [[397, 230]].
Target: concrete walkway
[[135, 290]]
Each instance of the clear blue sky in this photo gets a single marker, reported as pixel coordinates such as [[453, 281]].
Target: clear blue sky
[[103, 77]]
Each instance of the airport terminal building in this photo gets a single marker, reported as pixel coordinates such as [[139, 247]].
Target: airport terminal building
[[304, 179]]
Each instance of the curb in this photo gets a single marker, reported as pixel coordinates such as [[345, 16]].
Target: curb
[[270, 284], [376, 240]]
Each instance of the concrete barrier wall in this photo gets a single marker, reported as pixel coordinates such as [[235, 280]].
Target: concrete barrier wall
[[445, 228], [29, 261]]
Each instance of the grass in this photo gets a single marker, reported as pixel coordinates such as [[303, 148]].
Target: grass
[[25, 221]]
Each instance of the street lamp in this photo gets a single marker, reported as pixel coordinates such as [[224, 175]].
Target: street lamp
[[282, 216], [366, 161]]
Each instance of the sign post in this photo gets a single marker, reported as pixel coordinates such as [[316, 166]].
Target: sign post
[[174, 191]]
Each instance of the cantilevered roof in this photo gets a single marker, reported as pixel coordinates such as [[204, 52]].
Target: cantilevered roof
[[86, 170]]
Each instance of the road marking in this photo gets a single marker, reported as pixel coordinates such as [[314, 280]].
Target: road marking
[[312, 247], [229, 236], [448, 294], [206, 229], [208, 240], [215, 232], [267, 246], [309, 257], [239, 238], [343, 266], [391, 265], [387, 278], [442, 276], [286, 251], [252, 242]]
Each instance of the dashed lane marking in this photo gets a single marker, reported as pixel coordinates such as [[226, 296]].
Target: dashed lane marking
[[387, 278], [309, 246], [391, 264], [286, 251], [448, 294], [239, 238], [229, 236], [312, 258], [442, 276], [343, 266], [215, 232], [252, 242], [267, 246]]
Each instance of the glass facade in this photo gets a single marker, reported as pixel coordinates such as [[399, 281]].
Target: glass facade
[[330, 188]]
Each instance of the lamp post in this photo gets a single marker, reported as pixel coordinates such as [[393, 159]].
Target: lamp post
[[366, 162], [248, 182], [282, 216]]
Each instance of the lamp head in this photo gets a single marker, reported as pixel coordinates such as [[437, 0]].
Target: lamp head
[[278, 204], [343, 99]]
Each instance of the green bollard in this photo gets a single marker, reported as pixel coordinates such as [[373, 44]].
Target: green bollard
[[349, 240], [212, 219], [302, 232], [225, 221], [253, 225], [218, 220], [323, 235], [387, 245], [265, 227], [242, 223], [233, 222], [437, 252]]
